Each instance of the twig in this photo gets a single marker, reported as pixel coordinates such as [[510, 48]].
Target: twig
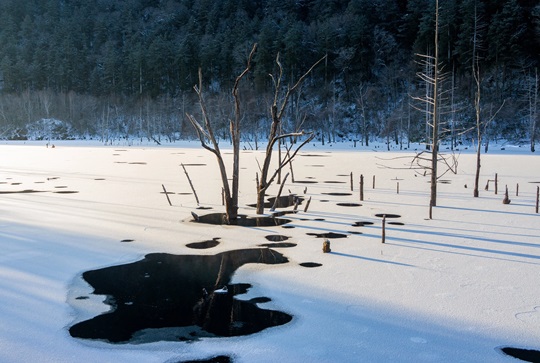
[[166, 194], [191, 184], [276, 202]]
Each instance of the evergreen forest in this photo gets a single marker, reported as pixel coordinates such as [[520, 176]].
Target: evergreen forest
[[111, 69]]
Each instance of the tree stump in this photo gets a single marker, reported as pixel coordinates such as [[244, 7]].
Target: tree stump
[[506, 199], [326, 246]]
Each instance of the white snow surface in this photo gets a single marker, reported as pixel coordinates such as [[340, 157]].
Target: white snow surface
[[452, 289]]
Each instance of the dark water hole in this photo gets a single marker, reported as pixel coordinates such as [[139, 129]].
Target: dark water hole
[[21, 191], [178, 298], [338, 194], [527, 355], [349, 204], [243, 220], [354, 232], [388, 215], [204, 244], [284, 201], [328, 235], [310, 264], [287, 227], [362, 224], [278, 245], [276, 238], [396, 223], [66, 192], [127, 240], [216, 359]]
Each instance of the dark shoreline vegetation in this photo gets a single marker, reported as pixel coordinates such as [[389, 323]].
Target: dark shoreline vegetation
[[125, 69]]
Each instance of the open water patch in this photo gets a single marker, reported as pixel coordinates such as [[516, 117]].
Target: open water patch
[[216, 359], [362, 224], [279, 245], [204, 244], [284, 201], [349, 204], [337, 194], [276, 238], [166, 297], [527, 355], [242, 220], [387, 215], [310, 264], [329, 235], [25, 191]]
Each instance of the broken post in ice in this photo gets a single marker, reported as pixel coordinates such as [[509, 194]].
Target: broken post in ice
[[326, 246]]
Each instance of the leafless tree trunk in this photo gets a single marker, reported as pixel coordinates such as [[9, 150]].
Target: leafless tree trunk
[[276, 111], [533, 109], [210, 143]]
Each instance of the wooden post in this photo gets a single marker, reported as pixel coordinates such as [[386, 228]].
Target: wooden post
[[506, 199], [384, 228], [496, 186], [279, 193], [487, 186], [397, 187], [373, 181], [517, 190], [430, 210], [361, 187], [296, 203], [326, 246], [166, 194], [222, 196], [307, 205], [537, 197], [190, 184]]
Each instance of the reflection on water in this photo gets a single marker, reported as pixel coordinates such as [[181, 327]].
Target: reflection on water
[[178, 297]]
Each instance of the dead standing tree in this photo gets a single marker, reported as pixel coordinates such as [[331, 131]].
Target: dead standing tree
[[277, 110], [210, 143]]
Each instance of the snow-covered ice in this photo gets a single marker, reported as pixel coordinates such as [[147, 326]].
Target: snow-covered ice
[[452, 289]]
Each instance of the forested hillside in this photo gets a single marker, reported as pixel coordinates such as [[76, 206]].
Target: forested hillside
[[126, 68]]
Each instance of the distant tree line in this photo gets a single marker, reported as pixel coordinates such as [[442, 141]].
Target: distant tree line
[[124, 68]]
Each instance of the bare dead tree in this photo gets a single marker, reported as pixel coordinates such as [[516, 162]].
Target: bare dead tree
[[208, 141], [277, 110]]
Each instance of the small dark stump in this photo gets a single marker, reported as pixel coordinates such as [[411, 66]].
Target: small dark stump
[[326, 246]]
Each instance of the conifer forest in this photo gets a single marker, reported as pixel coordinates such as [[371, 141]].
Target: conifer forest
[[115, 69]]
